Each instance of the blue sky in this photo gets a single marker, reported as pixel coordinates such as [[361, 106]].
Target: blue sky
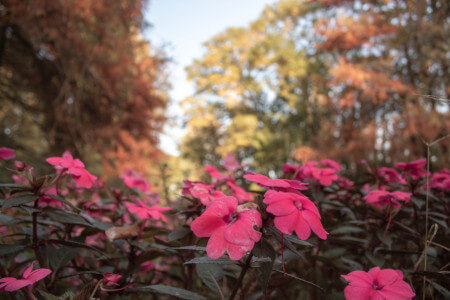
[[182, 26]]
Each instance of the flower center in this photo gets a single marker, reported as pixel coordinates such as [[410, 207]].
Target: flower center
[[299, 205], [231, 218]]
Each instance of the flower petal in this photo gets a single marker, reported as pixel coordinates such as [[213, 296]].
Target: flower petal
[[315, 224], [55, 161], [236, 252], [16, 285], [206, 225], [222, 206], [38, 274], [282, 207], [217, 244], [28, 270], [359, 279], [357, 293], [398, 290], [386, 277], [286, 224], [302, 228]]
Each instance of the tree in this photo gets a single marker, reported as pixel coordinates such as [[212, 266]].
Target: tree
[[343, 78], [82, 75]]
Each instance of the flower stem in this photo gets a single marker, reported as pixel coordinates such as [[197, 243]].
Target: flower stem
[[57, 182], [30, 294], [241, 276], [95, 289], [35, 237]]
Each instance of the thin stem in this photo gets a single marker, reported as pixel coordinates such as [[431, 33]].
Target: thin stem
[[30, 294], [426, 222], [35, 236], [282, 252], [57, 182], [241, 276], [391, 208], [95, 289]]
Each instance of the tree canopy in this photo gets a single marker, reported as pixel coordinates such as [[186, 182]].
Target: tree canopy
[[349, 80], [79, 75]]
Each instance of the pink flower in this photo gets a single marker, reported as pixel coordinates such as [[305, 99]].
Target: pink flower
[[294, 212], [346, 183], [201, 191], [21, 166], [96, 240], [134, 180], [19, 179], [331, 163], [10, 284], [381, 199], [48, 201], [291, 169], [213, 172], [414, 169], [441, 180], [268, 183], [239, 192], [152, 199], [377, 285], [390, 175], [110, 279], [6, 153], [324, 176], [74, 167], [147, 266], [145, 212], [230, 163], [229, 227]]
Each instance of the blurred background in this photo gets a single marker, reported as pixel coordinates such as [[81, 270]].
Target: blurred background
[[166, 86]]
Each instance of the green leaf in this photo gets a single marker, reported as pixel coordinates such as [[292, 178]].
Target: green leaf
[[62, 200], [351, 239], [283, 240], [442, 290], [74, 244], [172, 291], [440, 222], [18, 200], [352, 265], [66, 217], [210, 273], [261, 259], [346, 229], [348, 212], [296, 240], [334, 252], [195, 248], [110, 256], [59, 257], [300, 279], [141, 245], [14, 186], [48, 296], [430, 195], [10, 249], [376, 260], [178, 234], [385, 238], [207, 260], [418, 202], [264, 249], [6, 220]]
